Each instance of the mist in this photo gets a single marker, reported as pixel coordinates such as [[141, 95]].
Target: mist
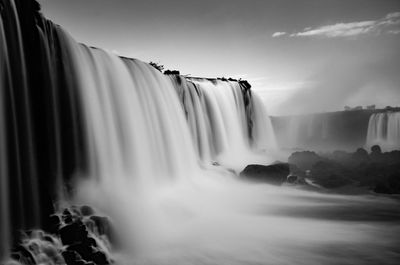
[[352, 81]]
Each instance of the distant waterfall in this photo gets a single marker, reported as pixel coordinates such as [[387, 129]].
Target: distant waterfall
[[340, 130], [384, 130], [303, 131], [73, 114]]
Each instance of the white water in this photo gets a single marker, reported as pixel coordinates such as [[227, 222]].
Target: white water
[[218, 122], [384, 130], [151, 172]]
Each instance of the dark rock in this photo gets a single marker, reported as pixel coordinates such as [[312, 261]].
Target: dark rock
[[292, 179], [54, 223], [66, 212], [102, 224], [90, 242], [87, 210], [84, 250], [71, 257], [171, 72], [376, 149], [273, 174], [67, 216], [73, 233], [304, 160], [23, 255], [100, 258]]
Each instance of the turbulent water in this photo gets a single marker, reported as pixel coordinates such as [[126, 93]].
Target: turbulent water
[[159, 155], [384, 130]]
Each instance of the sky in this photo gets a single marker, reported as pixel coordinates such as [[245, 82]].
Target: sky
[[300, 56]]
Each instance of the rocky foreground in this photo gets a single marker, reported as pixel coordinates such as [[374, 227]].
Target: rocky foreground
[[376, 171], [76, 236]]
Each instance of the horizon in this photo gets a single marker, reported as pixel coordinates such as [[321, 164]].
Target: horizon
[[344, 53]]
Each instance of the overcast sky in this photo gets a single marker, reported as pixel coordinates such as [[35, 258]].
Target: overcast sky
[[300, 55]]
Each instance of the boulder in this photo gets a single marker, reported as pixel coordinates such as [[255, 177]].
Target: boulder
[[304, 160], [86, 210], [273, 174], [100, 257], [292, 179], [376, 149], [73, 233]]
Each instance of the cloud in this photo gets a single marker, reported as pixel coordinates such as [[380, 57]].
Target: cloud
[[278, 34], [369, 80], [390, 24]]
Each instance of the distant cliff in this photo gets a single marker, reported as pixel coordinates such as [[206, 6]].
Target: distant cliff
[[344, 130]]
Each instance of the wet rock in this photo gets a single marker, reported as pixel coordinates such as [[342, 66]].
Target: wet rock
[[102, 224], [292, 179], [71, 257], [23, 255], [54, 223], [376, 149], [73, 233], [100, 258], [84, 250], [86, 210], [66, 216], [304, 160], [273, 174]]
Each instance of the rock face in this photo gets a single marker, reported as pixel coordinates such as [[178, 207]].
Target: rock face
[[273, 174], [78, 236]]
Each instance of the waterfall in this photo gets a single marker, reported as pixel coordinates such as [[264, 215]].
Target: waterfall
[[82, 124], [340, 130], [19, 197], [225, 118], [384, 130], [158, 155]]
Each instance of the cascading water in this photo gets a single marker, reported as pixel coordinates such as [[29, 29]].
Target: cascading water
[[341, 130], [384, 130], [225, 119], [140, 146], [115, 122]]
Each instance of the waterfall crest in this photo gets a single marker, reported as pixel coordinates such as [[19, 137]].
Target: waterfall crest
[[384, 130], [76, 120], [225, 119]]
